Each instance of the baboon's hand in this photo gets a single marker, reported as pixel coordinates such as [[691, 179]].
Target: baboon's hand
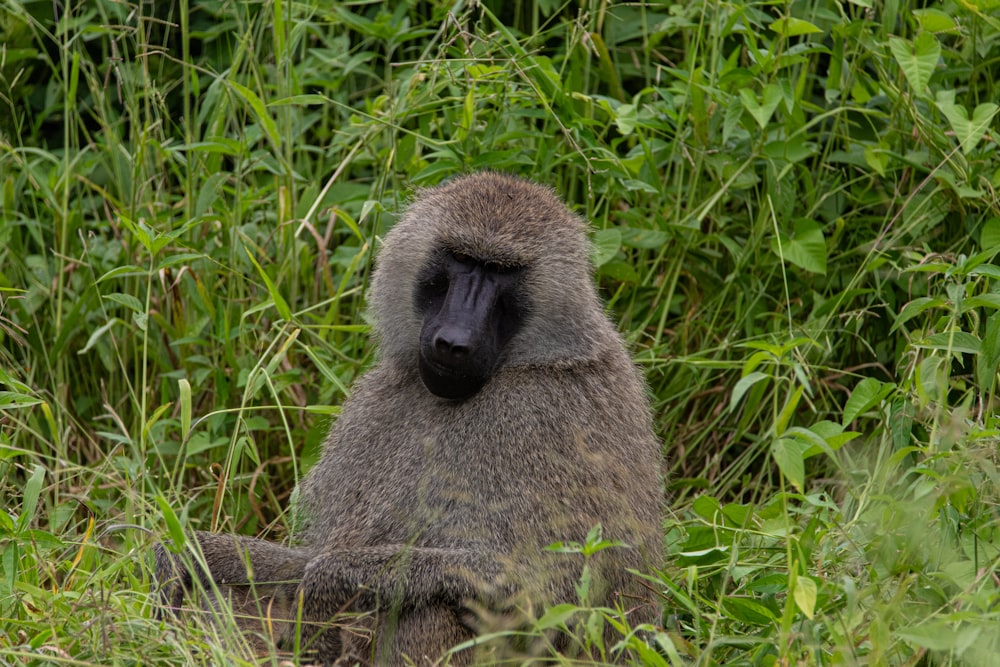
[[394, 576]]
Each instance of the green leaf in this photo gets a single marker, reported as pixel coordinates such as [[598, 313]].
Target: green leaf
[[806, 248], [181, 258], [901, 422], [794, 149], [150, 239], [626, 118], [301, 100], [635, 185], [219, 145], [743, 385], [29, 501], [15, 399], [707, 507], [991, 270], [185, 398], [914, 308], [917, 59], [173, 525], [793, 27], [468, 115], [99, 333], [121, 271], [989, 354], [984, 301], [201, 442], [968, 131], [653, 652], [769, 584], [260, 111], [13, 383], [877, 158], [643, 238], [126, 300], [934, 635], [866, 395], [812, 442], [556, 616], [279, 301], [731, 117], [607, 242], [989, 236], [805, 596], [747, 610], [761, 111], [619, 270], [935, 20], [788, 409], [952, 341], [788, 454]]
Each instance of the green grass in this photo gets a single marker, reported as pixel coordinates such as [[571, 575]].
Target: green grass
[[796, 223]]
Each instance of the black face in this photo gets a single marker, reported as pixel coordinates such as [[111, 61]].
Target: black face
[[471, 309]]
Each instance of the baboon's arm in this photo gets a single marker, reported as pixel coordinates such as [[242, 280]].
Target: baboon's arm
[[400, 576], [230, 560]]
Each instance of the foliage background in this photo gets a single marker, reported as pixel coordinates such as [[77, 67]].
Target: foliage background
[[796, 225]]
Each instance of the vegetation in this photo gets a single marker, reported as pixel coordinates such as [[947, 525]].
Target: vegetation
[[796, 223]]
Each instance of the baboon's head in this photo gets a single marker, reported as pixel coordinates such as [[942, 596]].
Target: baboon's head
[[485, 271]]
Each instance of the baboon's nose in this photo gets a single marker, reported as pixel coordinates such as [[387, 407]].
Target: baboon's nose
[[452, 345]]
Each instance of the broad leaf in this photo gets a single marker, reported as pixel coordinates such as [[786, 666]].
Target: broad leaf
[[29, 500], [126, 300], [866, 395], [626, 118], [260, 111], [806, 248], [607, 242], [743, 385], [556, 616], [643, 238], [914, 308], [761, 111], [805, 596], [935, 20], [989, 237], [968, 131], [918, 58], [747, 610], [936, 635], [877, 158], [15, 399], [952, 341], [788, 454], [989, 354], [793, 27]]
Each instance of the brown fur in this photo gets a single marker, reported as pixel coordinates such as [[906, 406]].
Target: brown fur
[[422, 508]]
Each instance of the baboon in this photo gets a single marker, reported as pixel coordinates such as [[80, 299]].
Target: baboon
[[503, 414]]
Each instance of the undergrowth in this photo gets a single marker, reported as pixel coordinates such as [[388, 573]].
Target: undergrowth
[[795, 221]]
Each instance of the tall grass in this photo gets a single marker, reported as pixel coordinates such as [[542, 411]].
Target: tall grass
[[795, 219]]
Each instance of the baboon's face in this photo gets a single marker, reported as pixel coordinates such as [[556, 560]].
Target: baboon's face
[[470, 309]]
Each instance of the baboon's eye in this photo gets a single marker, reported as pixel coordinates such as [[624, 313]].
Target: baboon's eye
[[437, 280], [462, 258]]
